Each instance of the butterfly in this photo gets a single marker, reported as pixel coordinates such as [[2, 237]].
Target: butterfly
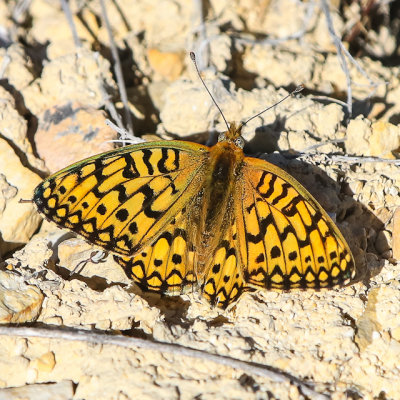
[[178, 215]]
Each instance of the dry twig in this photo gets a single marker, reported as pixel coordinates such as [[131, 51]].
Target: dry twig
[[68, 15], [341, 53], [117, 69]]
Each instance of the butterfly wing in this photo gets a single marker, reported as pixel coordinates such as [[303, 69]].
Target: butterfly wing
[[286, 239], [165, 266], [123, 199], [171, 263], [223, 281]]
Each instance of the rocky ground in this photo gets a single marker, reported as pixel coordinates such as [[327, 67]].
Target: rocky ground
[[56, 92]]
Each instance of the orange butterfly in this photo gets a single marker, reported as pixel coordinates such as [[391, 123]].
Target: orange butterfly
[[177, 214]]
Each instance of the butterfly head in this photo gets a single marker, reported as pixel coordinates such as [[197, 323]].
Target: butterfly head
[[233, 135]]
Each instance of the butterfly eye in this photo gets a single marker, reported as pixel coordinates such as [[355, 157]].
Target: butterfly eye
[[239, 142], [221, 137]]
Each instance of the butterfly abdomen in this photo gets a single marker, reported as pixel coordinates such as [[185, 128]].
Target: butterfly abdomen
[[224, 165], [225, 161]]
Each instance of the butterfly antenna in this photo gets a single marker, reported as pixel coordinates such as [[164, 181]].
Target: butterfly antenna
[[193, 57], [292, 93]]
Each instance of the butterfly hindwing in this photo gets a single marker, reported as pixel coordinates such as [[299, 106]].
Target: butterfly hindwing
[[223, 281], [166, 266], [286, 239], [121, 200]]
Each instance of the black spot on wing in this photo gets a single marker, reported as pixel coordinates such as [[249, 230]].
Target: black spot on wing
[[176, 258], [275, 252], [122, 214], [101, 209]]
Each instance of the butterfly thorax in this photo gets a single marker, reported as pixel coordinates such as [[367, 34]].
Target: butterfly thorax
[[225, 163], [233, 135]]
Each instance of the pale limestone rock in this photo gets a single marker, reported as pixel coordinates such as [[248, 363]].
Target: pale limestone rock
[[385, 138], [17, 67], [166, 65], [396, 234], [43, 364], [19, 302], [262, 133], [17, 221], [331, 74], [112, 308], [82, 76], [358, 133], [310, 335], [13, 366], [153, 18], [6, 23], [298, 328], [12, 125], [220, 51], [378, 139], [71, 252], [51, 25], [63, 390], [281, 67], [71, 132], [37, 253], [327, 121], [195, 106]]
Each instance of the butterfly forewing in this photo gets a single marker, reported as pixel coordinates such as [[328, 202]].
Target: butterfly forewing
[[123, 199], [286, 239]]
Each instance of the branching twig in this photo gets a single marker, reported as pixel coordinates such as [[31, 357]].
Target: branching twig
[[345, 158], [122, 341], [111, 108], [341, 53], [330, 99], [339, 48], [117, 69], [362, 160], [124, 135]]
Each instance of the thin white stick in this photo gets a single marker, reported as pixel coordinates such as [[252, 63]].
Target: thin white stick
[[339, 48], [4, 64], [68, 15], [20, 9], [323, 143], [362, 160], [117, 68]]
